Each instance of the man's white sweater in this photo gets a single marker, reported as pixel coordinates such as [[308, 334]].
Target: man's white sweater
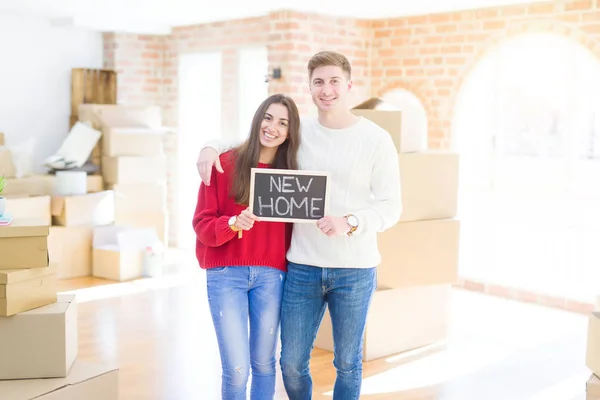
[[364, 180]]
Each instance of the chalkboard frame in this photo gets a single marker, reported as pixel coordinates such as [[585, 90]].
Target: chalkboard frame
[[274, 171]]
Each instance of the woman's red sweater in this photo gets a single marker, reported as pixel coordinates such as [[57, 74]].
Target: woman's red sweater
[[217, 245]]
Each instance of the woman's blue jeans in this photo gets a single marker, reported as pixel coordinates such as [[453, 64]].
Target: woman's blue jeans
[[238, 295]]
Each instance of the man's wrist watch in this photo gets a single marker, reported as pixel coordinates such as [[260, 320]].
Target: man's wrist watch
[[353, 222], [232, 223]]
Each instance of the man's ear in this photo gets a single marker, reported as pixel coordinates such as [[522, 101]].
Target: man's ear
[[350, 83]]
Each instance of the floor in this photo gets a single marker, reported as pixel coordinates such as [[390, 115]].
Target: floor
[[159, 333], [543, 242]]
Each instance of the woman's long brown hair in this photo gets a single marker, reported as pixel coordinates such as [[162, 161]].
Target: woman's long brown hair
[[248, 154]]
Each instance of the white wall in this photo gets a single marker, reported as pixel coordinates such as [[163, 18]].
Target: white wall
[[35, 79], [252, 88], [200, 112]]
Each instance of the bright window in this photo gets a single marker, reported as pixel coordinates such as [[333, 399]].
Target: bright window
[[253, 89]]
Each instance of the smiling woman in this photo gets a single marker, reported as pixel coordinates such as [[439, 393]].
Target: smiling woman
[[245, 274]]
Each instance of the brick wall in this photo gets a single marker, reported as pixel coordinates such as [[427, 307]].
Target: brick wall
[[139, 61], [431, 55], [294, 37]]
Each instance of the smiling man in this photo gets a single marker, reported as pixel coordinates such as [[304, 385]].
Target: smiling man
[[333, 262]]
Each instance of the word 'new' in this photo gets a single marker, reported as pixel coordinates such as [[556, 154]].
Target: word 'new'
[[285, 184]]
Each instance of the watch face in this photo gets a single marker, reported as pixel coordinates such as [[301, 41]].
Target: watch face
[[232, 220], [352, 221]]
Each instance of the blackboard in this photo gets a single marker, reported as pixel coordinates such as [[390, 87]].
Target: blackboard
[[289, 195]]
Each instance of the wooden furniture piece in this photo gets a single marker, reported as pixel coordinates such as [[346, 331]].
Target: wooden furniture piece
[[91, 86]]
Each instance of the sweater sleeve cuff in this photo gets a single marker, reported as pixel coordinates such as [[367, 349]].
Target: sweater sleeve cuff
[[224, 232]]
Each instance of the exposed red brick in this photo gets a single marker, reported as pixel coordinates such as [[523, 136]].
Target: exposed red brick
[[541, 8], [578, 5], [500, 291], [472, 285]]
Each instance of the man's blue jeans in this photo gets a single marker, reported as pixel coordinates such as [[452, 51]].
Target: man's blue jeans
[[236, 295], [348, 293]]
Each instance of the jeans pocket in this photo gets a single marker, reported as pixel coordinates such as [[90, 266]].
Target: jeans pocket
[[216, 270]]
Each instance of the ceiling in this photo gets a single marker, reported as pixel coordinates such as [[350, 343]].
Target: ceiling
[[159, 16]]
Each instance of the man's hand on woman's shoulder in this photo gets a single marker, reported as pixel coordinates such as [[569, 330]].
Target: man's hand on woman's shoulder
[[206, 159]]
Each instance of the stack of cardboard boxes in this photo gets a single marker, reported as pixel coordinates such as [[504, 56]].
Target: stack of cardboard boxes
[[593, 356], [419, 254], [31, 196], [74, 218], [128, 192], [38, 327], [71, 217], [133, 165]]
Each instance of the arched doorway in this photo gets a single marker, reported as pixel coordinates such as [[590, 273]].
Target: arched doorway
[[414, 116], [527, 126]]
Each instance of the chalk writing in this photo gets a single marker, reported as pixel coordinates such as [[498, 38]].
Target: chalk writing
[[286, 195]]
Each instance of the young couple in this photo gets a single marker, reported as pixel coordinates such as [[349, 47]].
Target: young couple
[[276, 275]]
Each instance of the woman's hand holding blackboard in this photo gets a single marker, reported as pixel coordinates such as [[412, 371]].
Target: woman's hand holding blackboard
[[245, 221]]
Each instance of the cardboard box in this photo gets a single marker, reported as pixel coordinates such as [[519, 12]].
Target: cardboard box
[[592, 359], [70, 248], [156, 220], [91, 209], [118, 252], [22, 206], [7, 165], [391, 121], [127, 170], [399, 320], [419, 253], [120, 115], [26, 289], [140, 142], [41, 343], [117, 265], [407, 128], [86, 381], [24, 244], [43, 185], [429, 185], [593, 388], [135, 198]]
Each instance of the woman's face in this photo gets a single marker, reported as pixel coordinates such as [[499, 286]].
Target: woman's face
[[274, 127]]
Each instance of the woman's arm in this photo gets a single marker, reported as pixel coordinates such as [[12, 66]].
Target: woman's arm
[[211, 227]]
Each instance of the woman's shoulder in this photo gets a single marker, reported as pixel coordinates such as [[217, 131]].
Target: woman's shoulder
[[228, 158]]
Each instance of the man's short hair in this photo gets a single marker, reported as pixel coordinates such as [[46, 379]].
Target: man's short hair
[[326, 58]]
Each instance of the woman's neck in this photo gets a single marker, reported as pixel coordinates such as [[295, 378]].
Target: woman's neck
[[267, 155]]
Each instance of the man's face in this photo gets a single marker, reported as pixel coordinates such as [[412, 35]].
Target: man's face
[[329, 88]]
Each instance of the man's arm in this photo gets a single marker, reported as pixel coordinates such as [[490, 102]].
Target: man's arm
[[209, 156], [386, 205], [386, 189]]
